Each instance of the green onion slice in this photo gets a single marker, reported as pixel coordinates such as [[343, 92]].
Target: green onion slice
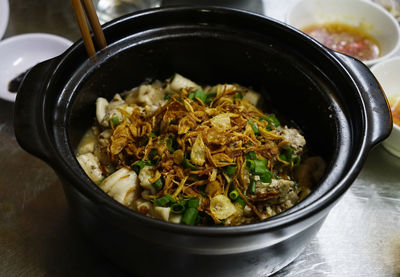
[[178, 208], [190, 215], [158, 184], [238, 95], [187, 164], [254, 127], [271, 119], [164, 201], [253, 186], [233, 194], [230, 170], [193, 202], [241, 202]]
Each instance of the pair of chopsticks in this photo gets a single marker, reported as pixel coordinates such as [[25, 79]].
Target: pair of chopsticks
[[83, 25]]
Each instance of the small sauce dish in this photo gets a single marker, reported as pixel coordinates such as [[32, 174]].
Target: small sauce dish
[[370, 18], [387, 73], [19, 53]]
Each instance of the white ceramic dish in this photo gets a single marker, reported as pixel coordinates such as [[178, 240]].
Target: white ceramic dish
[[372, 18], [19, 53], [4, 15], [388, 75]]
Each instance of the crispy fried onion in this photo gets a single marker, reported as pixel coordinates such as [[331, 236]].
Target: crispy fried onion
[[190, 143]]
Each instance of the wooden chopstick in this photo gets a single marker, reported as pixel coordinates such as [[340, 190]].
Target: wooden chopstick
[[84, 28], [94, 23]]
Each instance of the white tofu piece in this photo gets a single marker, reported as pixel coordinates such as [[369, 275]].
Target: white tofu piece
[[91, 165], [121, 185]]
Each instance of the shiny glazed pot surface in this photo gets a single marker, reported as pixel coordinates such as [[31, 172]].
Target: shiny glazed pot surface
[[333, 98]]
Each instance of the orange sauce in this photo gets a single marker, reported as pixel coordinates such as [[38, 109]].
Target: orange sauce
[[395, 107], [346, 39]]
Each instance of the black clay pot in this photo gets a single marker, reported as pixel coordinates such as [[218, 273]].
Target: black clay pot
[[333, 98]]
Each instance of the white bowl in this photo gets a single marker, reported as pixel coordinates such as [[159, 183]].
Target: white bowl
[[4, 15], [373, 19], [388, 75], [19, 53]]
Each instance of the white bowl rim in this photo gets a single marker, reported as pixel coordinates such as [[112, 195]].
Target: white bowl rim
[[5, 14], [23, 38], [379, 66], [374, 5]]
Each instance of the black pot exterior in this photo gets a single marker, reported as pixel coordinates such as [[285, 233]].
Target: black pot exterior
[[333, 98]]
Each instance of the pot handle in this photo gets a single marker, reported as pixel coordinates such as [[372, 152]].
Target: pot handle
[[29, 124], [377, 106]]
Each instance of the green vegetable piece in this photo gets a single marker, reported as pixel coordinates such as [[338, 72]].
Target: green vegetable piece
[[191, 95], [153, 153], [190, 215], [266, 177], [158, 184], [250, 165], [254, 127], [253, 186], [296, 161], [114, 121], [193, 202], [230, 170], [144, 141], [138, 165], [271, 119], [233, 194], [238, 95], [260, 167], [167, 96], [241, 202], [164, 201], [153, 135], [210, 98], [201, 95], [178, 208], [169, 142], [187, 164], [287, 155], [251, 155]]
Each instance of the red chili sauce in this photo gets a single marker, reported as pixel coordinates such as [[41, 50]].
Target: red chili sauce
[[346, 39], [395, 106]]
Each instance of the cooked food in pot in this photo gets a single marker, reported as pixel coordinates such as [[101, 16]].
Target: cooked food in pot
[[197, 155]]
